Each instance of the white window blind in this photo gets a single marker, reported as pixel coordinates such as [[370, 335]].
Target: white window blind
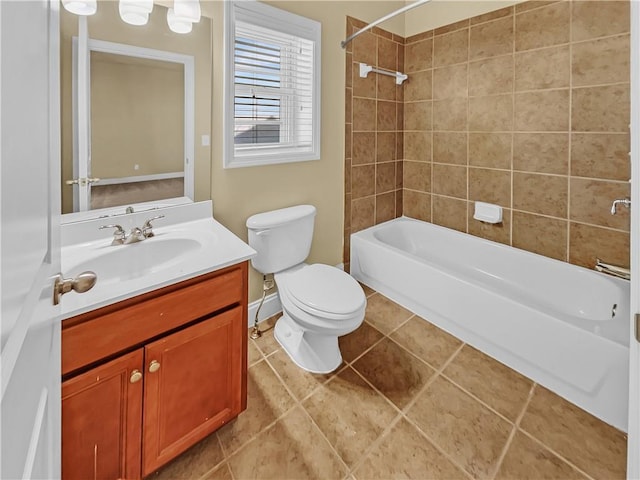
[[273, 110]]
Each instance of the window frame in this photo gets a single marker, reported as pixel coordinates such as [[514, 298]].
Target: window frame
[[260, 14]]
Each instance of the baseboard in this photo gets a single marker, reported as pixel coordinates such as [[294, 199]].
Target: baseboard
[[270, 307]]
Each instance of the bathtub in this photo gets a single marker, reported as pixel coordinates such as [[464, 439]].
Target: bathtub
[[565, 327]]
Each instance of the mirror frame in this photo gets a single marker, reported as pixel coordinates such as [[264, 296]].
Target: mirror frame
[[81, 98]]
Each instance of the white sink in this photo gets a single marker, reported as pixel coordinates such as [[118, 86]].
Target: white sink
[[188, 242], [118, 263]]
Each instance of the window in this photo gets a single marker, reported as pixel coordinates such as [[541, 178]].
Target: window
[[272, 86]]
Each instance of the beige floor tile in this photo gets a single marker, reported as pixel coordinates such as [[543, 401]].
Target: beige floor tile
[[267, 342], [528, 460], [253, 353], [350, 413], [355, 343], [193, 463], [299, 381], [293, 448], [220, 473], [394, 371], [368, 291], [384, 314], [267, 399], [500, 387], [406, 453], [427, 341], [469, 432], [593, 446]]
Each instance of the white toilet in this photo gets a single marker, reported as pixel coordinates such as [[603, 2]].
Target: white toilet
[[319, 302]]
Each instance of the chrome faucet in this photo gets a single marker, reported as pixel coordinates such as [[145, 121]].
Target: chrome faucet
[[147, 231], [119, 236], [136, 234], [622, 201]]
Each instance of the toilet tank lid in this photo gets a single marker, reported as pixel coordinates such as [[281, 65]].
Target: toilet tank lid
[[279, 217]]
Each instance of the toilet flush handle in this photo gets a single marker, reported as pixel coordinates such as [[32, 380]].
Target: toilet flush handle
[[262, 232]]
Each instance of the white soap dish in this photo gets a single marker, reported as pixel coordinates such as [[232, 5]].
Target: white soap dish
[[487, 212]]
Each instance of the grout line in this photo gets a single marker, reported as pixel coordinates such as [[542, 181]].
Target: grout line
[[467, 171], [381, 437], [331, 446], [567, 253], [431, 176], [513, 127], [514, 430], [556, 454], [223, 461]]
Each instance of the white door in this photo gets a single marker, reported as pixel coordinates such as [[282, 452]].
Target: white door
[[29, 239], [633, 455]]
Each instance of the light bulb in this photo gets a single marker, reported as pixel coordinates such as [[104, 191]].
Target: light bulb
[[187, 9], [80, 7], [135, 12], [178, 24]]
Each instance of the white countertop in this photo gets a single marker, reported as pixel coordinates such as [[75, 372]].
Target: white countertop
[[125, 271]]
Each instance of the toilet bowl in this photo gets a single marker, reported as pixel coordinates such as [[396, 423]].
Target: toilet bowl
[[319, 302]]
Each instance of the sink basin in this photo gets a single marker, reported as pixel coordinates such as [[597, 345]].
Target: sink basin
[[188, 242], [118, 263]]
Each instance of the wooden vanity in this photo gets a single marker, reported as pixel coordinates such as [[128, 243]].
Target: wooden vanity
[[146, 378]]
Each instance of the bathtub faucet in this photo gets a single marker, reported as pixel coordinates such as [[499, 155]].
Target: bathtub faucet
[[624, 201], [615, 270]]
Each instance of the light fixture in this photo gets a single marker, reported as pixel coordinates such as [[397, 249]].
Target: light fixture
[[178, 24], [183, 15], [80, 7], [135, 12], [188, 9]]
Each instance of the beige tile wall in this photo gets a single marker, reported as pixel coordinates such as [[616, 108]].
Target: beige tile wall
[[526, 107], [373, 132]]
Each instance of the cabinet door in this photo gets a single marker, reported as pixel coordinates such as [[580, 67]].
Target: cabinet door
[[193, 385], [102, 421]]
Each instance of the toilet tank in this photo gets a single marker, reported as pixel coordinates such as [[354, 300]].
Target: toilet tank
[[282, 237]]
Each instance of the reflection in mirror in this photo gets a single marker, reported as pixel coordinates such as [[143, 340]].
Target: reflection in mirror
[[141, 104], [142, 134]]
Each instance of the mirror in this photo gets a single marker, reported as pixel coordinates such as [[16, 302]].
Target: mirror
[[149, 111]]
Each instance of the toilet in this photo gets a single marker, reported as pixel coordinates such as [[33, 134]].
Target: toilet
[[319, 302]]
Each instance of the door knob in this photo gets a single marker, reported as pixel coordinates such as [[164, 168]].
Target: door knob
[[82, 283], [154, 366], [136, 376]]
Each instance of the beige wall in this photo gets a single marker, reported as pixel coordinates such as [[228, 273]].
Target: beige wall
[[443, 12], [137, 116], [107, 25], [241, 192]]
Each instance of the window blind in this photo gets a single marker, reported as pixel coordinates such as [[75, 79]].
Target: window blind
[[273, 98]]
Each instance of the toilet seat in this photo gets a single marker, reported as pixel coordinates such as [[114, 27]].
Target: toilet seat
[[323, 291]]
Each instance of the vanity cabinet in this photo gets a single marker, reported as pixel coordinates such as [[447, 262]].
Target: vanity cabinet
[[145, 379]]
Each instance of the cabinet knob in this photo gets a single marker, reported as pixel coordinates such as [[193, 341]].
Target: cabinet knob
[[154, 366], [136, 376]]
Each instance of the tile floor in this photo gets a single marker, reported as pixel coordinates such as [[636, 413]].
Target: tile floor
[[410, 401]]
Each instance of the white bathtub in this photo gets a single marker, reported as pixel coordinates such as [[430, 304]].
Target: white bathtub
[[551, 321]]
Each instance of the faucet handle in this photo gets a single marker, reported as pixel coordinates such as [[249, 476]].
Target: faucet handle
[[147, 231], [118, 236]]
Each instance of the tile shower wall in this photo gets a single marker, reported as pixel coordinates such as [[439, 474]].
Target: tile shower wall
[[373, 132], [526, 107]]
